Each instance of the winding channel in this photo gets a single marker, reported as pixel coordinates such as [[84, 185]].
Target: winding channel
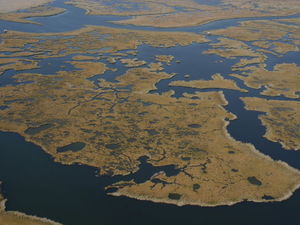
[[74, 195]]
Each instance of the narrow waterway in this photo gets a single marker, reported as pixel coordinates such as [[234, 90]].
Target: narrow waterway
[[74, 195], [75, 18]]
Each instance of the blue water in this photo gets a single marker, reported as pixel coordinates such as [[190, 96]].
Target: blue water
[[74, 195], [208, 2], [66, 22]]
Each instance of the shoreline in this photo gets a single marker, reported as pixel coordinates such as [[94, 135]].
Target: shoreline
[[16, 5], [22, 216], [180, 203]]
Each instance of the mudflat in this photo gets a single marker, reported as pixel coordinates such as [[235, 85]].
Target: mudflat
[[14, 5]]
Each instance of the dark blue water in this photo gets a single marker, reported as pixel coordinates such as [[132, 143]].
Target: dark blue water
[[49, 66], [66, 22], [287, 58], [192, 61], [208, 2], [73, 195]]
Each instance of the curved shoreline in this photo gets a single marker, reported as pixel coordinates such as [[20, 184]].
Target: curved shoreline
[[21, 216], [285, 196], [200, 204], [20, 4], [107, 21], [124, 22]]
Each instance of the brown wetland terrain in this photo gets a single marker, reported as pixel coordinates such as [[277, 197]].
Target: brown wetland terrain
[[78, 116]]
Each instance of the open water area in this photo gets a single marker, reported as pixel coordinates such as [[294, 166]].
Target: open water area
[[74, 195]]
